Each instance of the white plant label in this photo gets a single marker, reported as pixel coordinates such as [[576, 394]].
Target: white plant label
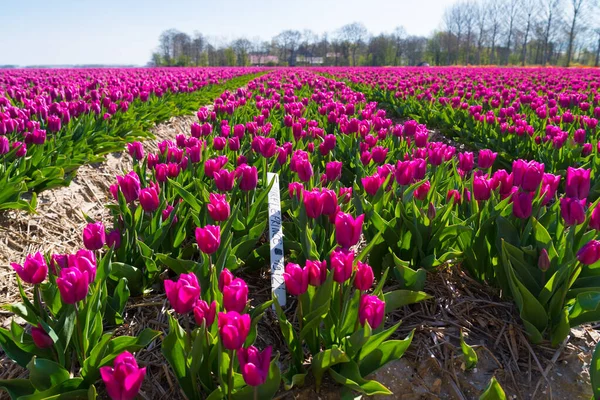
[[276, 240]]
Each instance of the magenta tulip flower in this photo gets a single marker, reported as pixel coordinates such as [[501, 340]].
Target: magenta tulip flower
[[130, 186], [372, 184], [94, 236], [40, 338], [578, 183], [224, 180], [136, 150], [572, 211], [486, 158], [363, 280], [313, 203], [235, 295], [225, 278], [233, 329], [72, 285], [317, 272], [208, 238], [595, 218], [372, 310], [348, 229], [205, 313], [124, 380], [149, 199], [330, 201], [254, 365], [84, 261], [522, 204], [218, 207], [34, 270], [113, 239], [296, 279], [590, 253], [248, 177], [481, 188], [341, 264], [183, 294], [544, 260]]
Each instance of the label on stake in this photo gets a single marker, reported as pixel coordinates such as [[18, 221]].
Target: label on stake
[[276, 240]]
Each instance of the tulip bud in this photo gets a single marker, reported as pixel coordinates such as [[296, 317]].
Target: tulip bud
[[205, 313], [544, 260], [208, 238], [124, 380], [254, 365], [136, 150], [130, 186], [184, 293], [313, 203], [486, 158], [317, 272], [113, 239], [225, 278], [595, 218], [149, 199], [235, 295], [372, 310], [34, 270], [218, 207], [296, 279], [348, 229], [577, 184], [364, 276], [224, 180], [73, 285], [248, 177], [372, 184], [431, 211], [233, 329], [329, 200], [572, 211], [522, 204], [94, 236], [590, 253], [341, 264], [41, 339]]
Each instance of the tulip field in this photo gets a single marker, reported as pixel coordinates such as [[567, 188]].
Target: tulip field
[[388, 177]]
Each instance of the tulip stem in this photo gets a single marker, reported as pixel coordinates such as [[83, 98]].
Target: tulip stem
[[300, 313], [230, 374], [255, 392], [79, 332]]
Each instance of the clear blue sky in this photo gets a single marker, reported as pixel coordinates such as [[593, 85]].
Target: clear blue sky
[[126, 31]]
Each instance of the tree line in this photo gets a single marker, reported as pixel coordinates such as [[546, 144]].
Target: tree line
[[472, 32]]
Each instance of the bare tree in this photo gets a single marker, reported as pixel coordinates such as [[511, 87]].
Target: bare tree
[[399, 35], [469, 14], [494, 19], [481, 29], [597, 59], [577, 8], [242, 47], [530, 13], [511, 10], [354, 34]]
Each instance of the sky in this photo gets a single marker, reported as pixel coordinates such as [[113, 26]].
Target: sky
[[54, 32]]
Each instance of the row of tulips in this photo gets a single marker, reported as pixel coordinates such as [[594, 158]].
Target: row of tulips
[[547, 115], [364, 200], [52, 123]]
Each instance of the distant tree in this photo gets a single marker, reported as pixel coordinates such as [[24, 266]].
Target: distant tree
[[577, 7], [355, 35]]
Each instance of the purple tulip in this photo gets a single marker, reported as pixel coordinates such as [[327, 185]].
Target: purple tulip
[[341, 262], [572, 211], [40, 338], [204, 313], [364, 276], [136, 150], [486, 158], [130, 186], [522, 204]]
